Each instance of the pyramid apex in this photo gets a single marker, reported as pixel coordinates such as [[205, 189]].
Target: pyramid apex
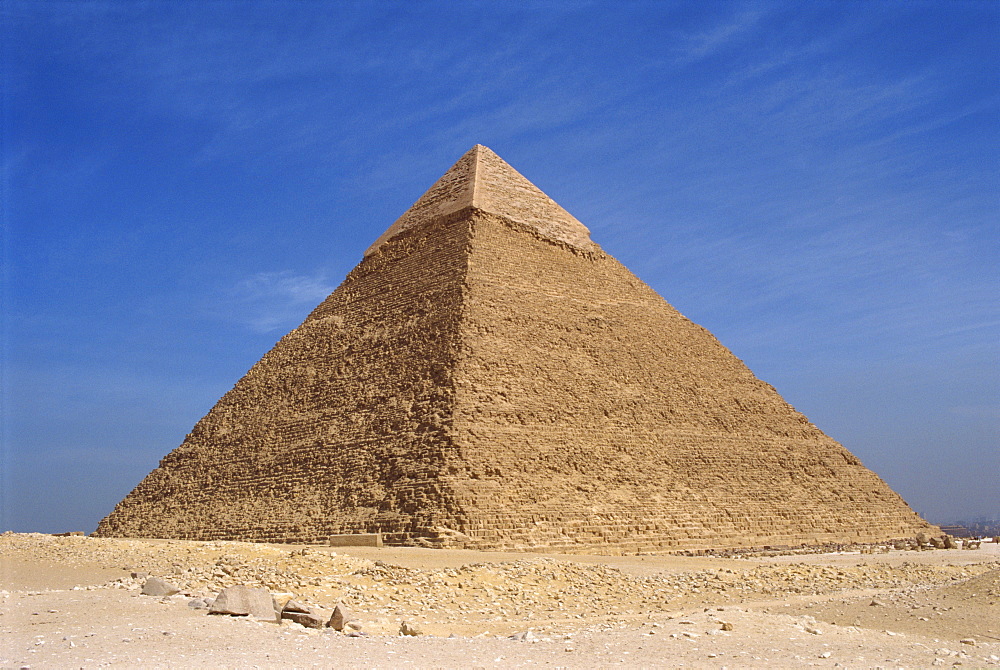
[[484, 181]]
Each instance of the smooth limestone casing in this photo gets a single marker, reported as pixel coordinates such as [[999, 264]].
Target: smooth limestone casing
[[481, 372]]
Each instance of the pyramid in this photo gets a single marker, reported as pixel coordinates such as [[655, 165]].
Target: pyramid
[[488, 376]]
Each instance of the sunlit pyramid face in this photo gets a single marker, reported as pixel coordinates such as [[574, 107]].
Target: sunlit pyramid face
[[488, 377]]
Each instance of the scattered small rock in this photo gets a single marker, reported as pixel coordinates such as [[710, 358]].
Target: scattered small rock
[[969, 641], [526, 636]]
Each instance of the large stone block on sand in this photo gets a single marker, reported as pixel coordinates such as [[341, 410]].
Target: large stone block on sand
[[245, 601]]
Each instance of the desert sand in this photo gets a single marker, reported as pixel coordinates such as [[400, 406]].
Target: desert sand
[[74, 602]]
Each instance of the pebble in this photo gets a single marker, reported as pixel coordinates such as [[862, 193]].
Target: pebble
[[526, 636]]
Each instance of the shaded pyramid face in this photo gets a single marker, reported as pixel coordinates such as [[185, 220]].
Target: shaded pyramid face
[[488, 375]]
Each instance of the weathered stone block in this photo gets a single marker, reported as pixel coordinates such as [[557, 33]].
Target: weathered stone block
[[356, 540]]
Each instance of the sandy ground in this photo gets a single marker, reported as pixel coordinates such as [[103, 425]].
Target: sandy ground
[[72, 602]]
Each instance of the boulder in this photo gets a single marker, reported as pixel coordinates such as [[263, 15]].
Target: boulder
[[295, 606], [155, 586], [341, 616], [246, 601], [307, 619], [407, 628]]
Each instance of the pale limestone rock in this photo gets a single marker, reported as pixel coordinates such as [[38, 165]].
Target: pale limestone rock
[[155, 586], [246, 601]]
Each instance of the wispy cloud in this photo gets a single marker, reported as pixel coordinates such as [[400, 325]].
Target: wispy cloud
[[271, 300], [702, 45]]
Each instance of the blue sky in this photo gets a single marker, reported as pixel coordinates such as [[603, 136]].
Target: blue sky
[[815, 183]]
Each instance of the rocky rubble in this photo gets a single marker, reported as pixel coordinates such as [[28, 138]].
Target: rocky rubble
[[858, 610], [520, 590], [922, 542]]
